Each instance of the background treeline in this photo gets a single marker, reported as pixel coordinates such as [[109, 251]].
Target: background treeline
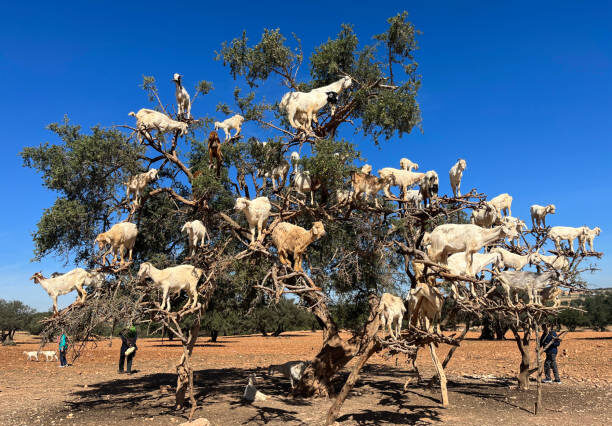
[[273, 319]]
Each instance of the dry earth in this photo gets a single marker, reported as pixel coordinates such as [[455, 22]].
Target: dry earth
[[481, 388]]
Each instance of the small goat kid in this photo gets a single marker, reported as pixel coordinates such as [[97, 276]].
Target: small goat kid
[[589, 235], [234, 122]]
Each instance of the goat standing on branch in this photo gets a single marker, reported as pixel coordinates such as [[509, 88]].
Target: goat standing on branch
[[183, 102], [173, 279], [293, 240], [76, 279], [214, 151], [306, 104], [234, 122]]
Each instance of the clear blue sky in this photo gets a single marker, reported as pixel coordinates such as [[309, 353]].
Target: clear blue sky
[[521, 90]]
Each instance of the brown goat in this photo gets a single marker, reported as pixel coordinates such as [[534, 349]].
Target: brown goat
[[293, 240], [214, 151], [366, 184]]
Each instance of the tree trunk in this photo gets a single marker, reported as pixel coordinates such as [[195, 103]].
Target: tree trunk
[[538, 404], [335, 353], [441, 374], [184, 369], [279, 329], [368, 346], [487, 332], [523, 346], [213, 335]]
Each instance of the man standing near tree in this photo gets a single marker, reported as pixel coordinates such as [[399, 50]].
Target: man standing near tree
[[128, 348], [550, 336]]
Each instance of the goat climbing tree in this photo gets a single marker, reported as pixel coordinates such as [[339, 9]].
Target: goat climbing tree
[[368, 249]]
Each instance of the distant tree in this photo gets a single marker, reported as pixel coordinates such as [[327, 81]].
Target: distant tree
[[14, 315]]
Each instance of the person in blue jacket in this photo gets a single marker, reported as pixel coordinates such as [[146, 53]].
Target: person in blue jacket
[[549, 336], [63, 347]]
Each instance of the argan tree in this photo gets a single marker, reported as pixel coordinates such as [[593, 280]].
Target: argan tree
[[368, 248]]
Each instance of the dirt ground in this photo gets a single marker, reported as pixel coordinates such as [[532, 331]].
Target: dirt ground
[[481, 385]]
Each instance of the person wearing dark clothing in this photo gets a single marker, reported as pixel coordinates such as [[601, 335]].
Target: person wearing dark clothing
[[128, 340], [550, 337], [63, 347]]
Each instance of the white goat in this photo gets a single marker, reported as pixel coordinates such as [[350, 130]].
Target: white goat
[[136, 184], [366, 169], [406, 164], [553, 261], [234, 122], [31, 355], [148, 119], [485, 216], [295, 157], [512, 260], [121, 237], [183, 102], [196, 232], [455, 174], [391, 310], [173, 279], [530, 282], [458, 266], [64, 284], [251, 394], [519, 225], [589, 235], [305, 105], [503, 203], [424, 302], [303, 183], [429, 187], [256, 211], [454, 238], [49, 355], [538, 214], [414, 198], [344, 196], [279, 172], [560, 233], [403, 179], [293, 370]]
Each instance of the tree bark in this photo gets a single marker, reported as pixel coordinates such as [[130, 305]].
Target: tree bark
[[335, 353], [538, 404], [441, 374], [184, 369], [523, 346], [368, 346]]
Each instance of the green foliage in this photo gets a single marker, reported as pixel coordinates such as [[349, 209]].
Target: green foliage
[[88, 171], [256, 63], [333, 58], [571, 319]]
